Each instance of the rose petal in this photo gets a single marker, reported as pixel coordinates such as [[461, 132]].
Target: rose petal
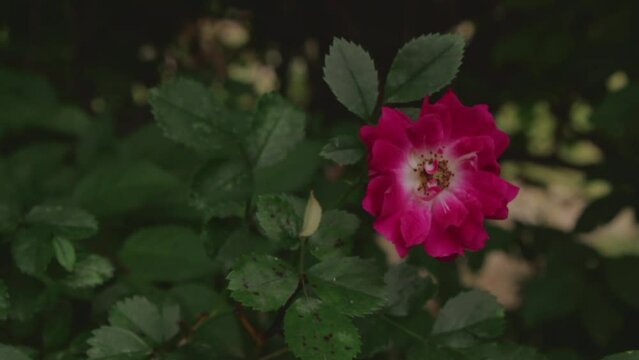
[[448, 210], [415, 225], [386, 157], [493, 192], [427, 132]]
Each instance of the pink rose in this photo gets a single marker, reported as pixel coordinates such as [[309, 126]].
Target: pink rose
[[433, 181]]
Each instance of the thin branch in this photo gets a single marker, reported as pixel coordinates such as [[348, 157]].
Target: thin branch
[[257, 337], [276, 327]]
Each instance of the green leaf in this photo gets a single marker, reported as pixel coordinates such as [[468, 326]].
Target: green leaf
[[195, 299], [376, 335], [601, 211], [64, 252], [599, 316], [427, 351], [32, 251], [242, 242], [12, 353], [72, 223], [57, 325], [4, 301], [615, 117], [143, 317], [89, 271], [113, 343], [626, 355], [407, 290], [8, 218], [553, 295], [475, 311], [334, 234], [343, 149], [295, 173], [116, 187], [220, 338], [277, 127], [28, 297], [165, 253], [617, 271], [315, 331], [412, 112], [262, 282], [504, 351], [221, 188], [188, 114], [280, 217], [350, 73], [423, 66], [352, 285]]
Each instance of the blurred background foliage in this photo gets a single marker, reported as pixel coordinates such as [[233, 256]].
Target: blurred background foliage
[[560, 76]]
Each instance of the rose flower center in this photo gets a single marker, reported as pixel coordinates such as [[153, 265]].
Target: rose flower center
[[433, 172]]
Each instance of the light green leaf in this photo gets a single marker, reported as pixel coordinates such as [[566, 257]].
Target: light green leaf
[[352, 285], [70, 222], [64, 252], [32, 251], [4, 301], [350, 73], [407, 290], [113, 343], [89, 271], [423, 66], [280, 217], [315, 331], [165, 253], [277, 127], [262, 282], [334, 234], [626, 355], [343, 149], [12, 353], [189, 114], [143, 317], [221, 188], [475, 311]]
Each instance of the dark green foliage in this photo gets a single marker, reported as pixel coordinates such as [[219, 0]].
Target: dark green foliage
[[262, 282], [164, 223], [315, 330]]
